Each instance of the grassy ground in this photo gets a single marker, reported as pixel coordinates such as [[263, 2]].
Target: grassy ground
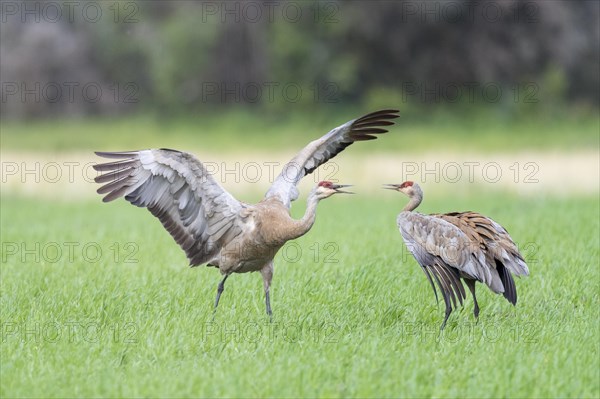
[[245, 130], [121, 314]]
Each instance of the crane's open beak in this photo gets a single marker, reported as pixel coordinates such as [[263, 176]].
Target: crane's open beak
[[394, 187], [337, 187]]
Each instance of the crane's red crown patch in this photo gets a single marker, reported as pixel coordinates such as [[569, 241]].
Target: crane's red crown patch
[[406, 184]]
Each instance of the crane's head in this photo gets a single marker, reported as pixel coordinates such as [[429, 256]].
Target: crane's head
[[408, 188], [326, 189]]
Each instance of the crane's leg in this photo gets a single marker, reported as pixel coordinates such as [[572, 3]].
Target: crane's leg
[[471, 285], [220, 290], [267, 275]]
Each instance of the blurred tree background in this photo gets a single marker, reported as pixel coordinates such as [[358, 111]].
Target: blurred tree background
[[185, 57]]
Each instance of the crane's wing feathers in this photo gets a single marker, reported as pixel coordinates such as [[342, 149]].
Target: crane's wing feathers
[[500, 251], [466, 244], [432, 240], [448, 280], [177, 189], [492, 237], [436, 247], [322, 150]]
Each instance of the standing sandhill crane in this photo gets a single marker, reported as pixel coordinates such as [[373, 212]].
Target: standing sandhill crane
[[456, 245], [209, 224]]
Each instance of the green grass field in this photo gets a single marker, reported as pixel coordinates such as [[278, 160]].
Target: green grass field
[[249, 131], [97, 301]]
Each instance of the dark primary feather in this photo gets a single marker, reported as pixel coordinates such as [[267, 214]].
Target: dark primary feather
[[358, 130], [510, 290], [449, 282]]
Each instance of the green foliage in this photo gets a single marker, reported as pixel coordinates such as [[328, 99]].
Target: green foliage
[[312, 54], [167, 52], [555, 83], [179, 56], [354, 315]]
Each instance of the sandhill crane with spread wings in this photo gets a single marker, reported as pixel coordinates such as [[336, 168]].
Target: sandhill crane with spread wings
[[457, 245], [209, 224]]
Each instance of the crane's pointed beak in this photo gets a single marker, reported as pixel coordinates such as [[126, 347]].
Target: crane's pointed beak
[[337, 187], [394, 187]]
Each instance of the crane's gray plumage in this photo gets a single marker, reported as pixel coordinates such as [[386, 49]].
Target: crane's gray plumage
[[322, 150], [209, 224], [176, 188], [459, 245]]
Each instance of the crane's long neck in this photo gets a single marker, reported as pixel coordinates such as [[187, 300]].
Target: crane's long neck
[[415, 201], [301, 227]]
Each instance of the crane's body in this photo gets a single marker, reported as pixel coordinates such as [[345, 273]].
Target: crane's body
[[209, 224], [264, 228], [459, 245]]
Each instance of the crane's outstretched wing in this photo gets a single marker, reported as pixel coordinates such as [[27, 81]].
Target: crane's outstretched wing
[[177, 189], [501, 253], [322, 150], [444, 252]]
